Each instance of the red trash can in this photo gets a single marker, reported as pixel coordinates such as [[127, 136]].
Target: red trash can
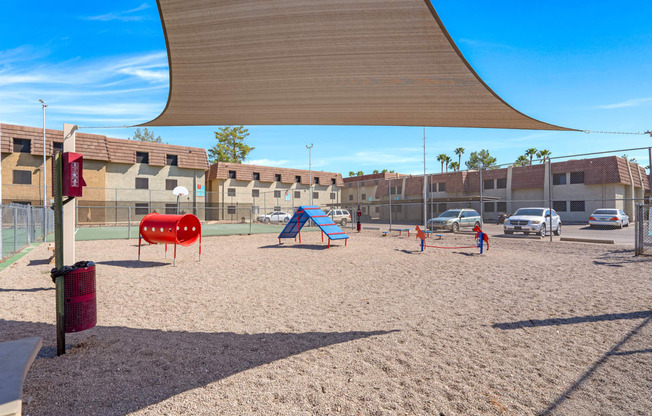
[[79, 292]]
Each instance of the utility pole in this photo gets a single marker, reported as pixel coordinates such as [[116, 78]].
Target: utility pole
[[309, 172]]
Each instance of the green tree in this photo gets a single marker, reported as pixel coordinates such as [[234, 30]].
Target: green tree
[[530, 153], [481, 159], [459, 152], [543, 154], [360, 173], [230, 145], [351, 173], [146, 136], [442, 158], [455, 166], [521, 161], [376, 171], [384, 171]]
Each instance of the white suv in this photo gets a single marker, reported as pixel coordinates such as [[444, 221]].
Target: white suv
[[533, 220], [339, 215]]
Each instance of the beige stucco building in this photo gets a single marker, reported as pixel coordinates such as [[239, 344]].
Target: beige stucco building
[[234, 189], [124, 178]]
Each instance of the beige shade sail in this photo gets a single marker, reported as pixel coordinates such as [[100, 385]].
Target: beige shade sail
[[322, 62]]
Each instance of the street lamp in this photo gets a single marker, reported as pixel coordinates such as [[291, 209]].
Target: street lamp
[[45, 183], [309, 172]]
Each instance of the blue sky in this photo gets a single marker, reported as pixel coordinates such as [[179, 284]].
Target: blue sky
[[584, 65]]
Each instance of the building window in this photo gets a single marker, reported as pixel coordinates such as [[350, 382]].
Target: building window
[[142, 183], [488, 184], [432, 187], [441, 207], [333, 181], [501, 183], [277, 194], [297, 179], [170, 209], [142, 157], [315, 195], [22, 145], [297, 194], [142, 208], [316, 181], [231, 174], [172, 160], [256, 176], [277, 177], [170, 184], [277, 208], [501, 206], [559, 179], [255, 209], [577, 177], [488, 207], [350, 197], [333, 196], [397, 190], [230, 192], [57, 147], [22, 177], [377, 210], [230, 209], [255, 193], [577, 206], [559, 206], [441, 186], [364, 197]]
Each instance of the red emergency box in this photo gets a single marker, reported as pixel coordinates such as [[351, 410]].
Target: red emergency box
[[72, 178]]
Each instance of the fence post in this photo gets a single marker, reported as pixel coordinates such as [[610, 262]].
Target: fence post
[[128, 223], [250, 221], [637, 233], [15, 230], [29, 225]]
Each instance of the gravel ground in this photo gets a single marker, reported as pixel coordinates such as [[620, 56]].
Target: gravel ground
[[375, 328]]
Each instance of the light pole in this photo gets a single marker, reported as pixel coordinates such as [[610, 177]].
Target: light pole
[[310, 172], [45, 183]]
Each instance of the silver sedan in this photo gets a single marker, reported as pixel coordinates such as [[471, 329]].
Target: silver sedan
[[609, 217]]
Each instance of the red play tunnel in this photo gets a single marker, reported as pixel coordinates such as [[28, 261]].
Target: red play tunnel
[[170, 229]]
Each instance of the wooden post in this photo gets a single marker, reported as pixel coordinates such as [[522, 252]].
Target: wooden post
[[58, 254]]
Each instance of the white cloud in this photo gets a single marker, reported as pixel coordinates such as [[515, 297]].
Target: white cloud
[[123, 16], [629, 103], [267, 162]]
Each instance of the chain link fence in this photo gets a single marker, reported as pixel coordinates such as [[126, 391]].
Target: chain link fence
[[643, 244], [23, 225]]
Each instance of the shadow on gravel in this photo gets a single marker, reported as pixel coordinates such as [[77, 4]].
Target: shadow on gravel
[[300, 246], [134, 368], [134, 264], [574, 320], [619, 258]]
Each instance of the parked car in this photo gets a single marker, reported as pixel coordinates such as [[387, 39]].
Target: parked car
[[340, 215], [610, 217], [454, 219], [276, 216], [533, 220]]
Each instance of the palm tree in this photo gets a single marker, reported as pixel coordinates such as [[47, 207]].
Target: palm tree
[[442, 158], [351, 173], [454, 166], [376, 171], [459, 152], [531, 152], [448, 162], [521, 161], [543, 154]]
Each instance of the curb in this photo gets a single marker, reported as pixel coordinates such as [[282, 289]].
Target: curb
[[587, 240]]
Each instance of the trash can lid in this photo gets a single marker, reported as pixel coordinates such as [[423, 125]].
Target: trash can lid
[[54, 273]]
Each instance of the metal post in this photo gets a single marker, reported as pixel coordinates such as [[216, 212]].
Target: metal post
[[45, 180], [481, 202], [550, 195], [15, 230], [310, 172], [128, 223], [250, 221], [58, 254], [649, 151], [425, 199], [29, 225], [389, 182]]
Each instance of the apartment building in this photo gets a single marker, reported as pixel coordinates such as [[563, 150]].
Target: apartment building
[[233, 188], [577, 188], [123, 177]]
